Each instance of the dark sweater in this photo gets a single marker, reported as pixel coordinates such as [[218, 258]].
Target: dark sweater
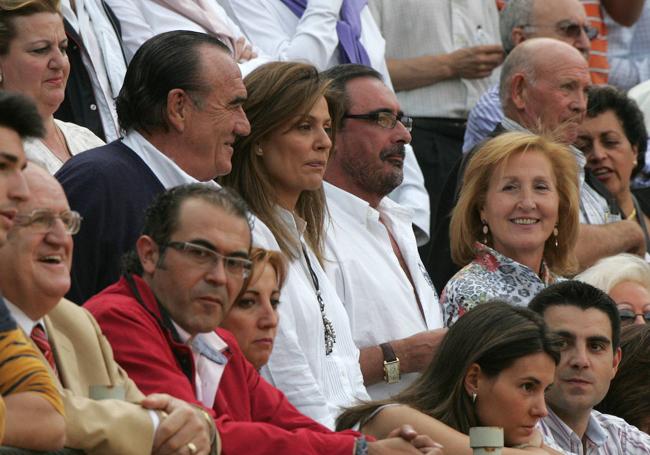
[[110, 186]]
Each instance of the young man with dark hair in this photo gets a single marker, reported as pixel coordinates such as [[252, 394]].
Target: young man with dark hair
[[587, 321]]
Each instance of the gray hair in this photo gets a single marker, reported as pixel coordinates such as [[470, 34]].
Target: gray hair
[[516, 13], [611, 271]]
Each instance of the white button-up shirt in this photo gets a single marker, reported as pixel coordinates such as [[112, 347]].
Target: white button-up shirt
[[377, 294], [318, 385], [413, 28], [163, 167]]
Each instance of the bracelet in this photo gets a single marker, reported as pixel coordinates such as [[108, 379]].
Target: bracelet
[[210, 422], [361, 446]]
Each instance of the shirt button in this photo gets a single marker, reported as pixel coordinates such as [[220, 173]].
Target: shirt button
[[93, 107]]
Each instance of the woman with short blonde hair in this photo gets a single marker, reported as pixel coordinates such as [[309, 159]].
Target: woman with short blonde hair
[[519, 206]]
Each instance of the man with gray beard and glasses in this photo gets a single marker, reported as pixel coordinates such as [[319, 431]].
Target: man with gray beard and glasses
[[371, 254]]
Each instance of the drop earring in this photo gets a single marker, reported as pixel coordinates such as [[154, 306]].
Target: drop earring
[[486, 231], [259, 151], [555, 233], [474, 395]]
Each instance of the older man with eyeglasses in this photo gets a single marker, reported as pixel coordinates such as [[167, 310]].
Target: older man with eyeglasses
[[104, 410], [564, 20]]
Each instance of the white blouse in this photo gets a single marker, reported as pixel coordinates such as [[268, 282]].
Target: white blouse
[[77, 138], [319, 385]]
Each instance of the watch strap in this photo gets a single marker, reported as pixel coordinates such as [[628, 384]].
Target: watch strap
[[389, 353]]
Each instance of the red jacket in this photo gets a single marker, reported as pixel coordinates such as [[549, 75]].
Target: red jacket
[[252, 416]]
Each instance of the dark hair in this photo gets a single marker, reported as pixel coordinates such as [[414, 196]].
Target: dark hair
[[628, 396], [277, 92], [340, 75], [165, 62], [603, 98], [161, 218], [581, 295], [19, 113], [493, 335], [11, 9]]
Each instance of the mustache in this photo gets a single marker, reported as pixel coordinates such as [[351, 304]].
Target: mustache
[[395, 150]]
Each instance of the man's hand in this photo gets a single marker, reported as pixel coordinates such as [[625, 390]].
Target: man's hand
[[181, 430], [405, 440], [243, 52], [416, 352], [475, 62]]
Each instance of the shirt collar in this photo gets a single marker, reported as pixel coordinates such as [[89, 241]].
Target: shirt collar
[[594, 432], [164, 168], [483, 251], [23, 321], [209, 344], [360, 209], [293, 221]]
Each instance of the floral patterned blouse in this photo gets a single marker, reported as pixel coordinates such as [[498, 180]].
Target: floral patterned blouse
[[491, 275]]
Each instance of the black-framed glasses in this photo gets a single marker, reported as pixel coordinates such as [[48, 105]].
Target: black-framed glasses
[[234, 266], [570, 29], [628, 316], [385, 119], [43, 220]]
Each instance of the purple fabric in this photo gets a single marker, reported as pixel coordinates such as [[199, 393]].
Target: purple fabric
[[348, 28]]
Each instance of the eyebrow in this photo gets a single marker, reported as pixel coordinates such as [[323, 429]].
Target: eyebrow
[[571, 336], [9, 156], [531, 379], [204, 243], [600, 339], [238, 101]]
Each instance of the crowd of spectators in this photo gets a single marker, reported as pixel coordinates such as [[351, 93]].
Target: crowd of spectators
[[324, 226]]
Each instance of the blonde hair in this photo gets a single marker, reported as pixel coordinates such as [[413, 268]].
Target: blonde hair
[[260, 258], [277, 92], [609, 272], [466, 226], [10, 9]]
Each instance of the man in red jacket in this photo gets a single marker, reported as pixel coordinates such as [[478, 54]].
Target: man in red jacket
[[189, 265]]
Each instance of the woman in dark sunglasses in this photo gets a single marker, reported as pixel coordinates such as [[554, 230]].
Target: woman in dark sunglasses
[[626, 278]]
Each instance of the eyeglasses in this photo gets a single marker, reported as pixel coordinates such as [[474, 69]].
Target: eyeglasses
[[43, 220], [385, 119], [234, 266], [569, 29], [629, 316]]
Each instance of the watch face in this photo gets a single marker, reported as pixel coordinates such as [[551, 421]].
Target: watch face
[[392, 372]]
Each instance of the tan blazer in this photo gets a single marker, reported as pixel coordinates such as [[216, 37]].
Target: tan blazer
[[84, 358]]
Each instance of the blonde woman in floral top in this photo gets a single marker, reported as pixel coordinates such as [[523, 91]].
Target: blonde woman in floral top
[[515, 224]]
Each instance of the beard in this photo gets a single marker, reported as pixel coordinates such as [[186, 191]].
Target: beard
[[375, 177]]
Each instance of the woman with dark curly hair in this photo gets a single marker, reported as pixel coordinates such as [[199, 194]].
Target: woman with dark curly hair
[[614, 139]]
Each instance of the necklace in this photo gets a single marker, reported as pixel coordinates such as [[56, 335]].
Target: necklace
[[62, 142], [330, 335]]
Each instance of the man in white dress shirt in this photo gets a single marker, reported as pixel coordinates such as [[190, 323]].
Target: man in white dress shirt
[[371, 251], [308, 30]]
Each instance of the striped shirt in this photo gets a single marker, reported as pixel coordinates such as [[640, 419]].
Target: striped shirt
[[483, 118], [21, 368], [605, 435], [598, 64]]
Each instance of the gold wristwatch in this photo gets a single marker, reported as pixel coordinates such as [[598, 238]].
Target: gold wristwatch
[[391, 364]]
